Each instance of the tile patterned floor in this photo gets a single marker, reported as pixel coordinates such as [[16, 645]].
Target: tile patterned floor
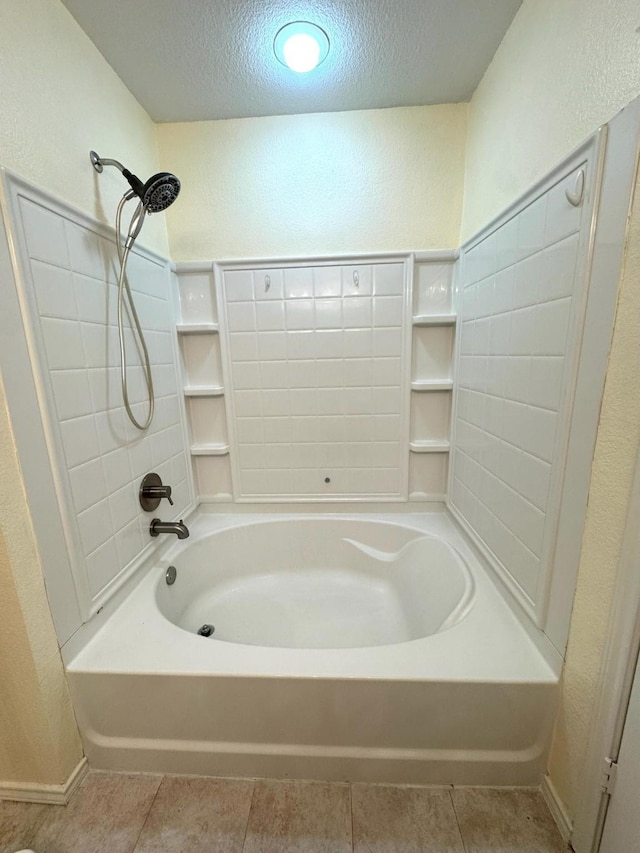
[[128, 813]]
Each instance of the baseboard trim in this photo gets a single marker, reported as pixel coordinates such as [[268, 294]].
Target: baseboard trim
[[557, 808], [57, 795]]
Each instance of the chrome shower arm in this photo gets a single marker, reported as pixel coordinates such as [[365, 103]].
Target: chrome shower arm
[[106, 161], [98, 162]]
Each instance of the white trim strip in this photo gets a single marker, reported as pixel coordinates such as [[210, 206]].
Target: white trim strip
[[56, 795], [556, 807]]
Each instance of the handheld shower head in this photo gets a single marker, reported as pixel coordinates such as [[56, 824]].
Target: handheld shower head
[[160, 191], [156, 194]]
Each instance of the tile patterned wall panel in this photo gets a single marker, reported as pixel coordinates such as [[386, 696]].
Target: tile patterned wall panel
[[520, 307], [101, 457], [317, 386]]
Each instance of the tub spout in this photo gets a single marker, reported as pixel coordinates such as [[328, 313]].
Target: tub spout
[[178, 527]]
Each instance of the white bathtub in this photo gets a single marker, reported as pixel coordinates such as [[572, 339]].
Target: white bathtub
[[369, 648], [318, 584]]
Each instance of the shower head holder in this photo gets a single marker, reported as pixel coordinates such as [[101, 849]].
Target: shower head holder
[[95, 161]]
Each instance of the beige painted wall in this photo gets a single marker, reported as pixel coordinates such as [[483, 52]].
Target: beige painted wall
[[370, 180], [59, 99], [564, 68], [39, 741]]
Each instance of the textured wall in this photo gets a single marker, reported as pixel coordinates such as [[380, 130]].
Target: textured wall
[[39, 741], [59, 99], [563, 68], [349, 182]]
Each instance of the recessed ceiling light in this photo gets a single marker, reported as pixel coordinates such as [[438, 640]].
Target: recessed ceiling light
[[301, 46]]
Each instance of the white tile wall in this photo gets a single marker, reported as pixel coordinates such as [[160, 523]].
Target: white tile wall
[[316, 358], [519, 306], [103, 458]]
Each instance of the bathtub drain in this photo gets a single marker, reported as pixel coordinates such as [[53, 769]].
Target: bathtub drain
[[206, 630]]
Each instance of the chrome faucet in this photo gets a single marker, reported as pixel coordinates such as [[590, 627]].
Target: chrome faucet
[[178, 527]]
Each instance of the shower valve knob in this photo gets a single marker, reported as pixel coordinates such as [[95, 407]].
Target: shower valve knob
[[152, 491]]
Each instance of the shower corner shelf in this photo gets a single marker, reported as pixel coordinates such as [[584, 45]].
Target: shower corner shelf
[[203, 390], [197, 328], [432, 385], [431, 446], [214, 448], [434, 320]]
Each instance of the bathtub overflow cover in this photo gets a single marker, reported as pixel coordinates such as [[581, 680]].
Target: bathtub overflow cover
[[170, 575], [206, 630]]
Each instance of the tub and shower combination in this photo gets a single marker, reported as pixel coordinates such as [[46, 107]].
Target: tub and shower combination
[[363, 647], [357, 641]]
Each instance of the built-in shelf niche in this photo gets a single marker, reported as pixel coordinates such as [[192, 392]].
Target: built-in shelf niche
[[430, 445], [203, 390], [430, 416], [202, 365], [428, 476], [197, 327], [212, 477], [432, 288], [434, 320], [197, 297], [209, 448], [432, 359], [432, 385], [207, 419], [433, 330]]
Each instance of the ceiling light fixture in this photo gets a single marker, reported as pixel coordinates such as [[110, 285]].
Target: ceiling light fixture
[[301, 46]]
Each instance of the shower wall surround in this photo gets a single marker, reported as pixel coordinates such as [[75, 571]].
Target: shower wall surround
[[522, 299], [305, 379], [68, 274], [317, 369]]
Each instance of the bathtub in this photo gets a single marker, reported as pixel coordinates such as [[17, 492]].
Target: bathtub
[[343, 647], [318, 584]]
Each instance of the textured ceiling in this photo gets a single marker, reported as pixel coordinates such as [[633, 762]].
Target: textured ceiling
[[187, 60]]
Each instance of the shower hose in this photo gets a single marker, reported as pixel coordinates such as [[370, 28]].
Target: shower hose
[[123, 286]]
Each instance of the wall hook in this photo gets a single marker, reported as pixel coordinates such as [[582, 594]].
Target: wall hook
[[575, 196]]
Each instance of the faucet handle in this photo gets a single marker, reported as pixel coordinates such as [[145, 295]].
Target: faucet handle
[[152, 491]]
